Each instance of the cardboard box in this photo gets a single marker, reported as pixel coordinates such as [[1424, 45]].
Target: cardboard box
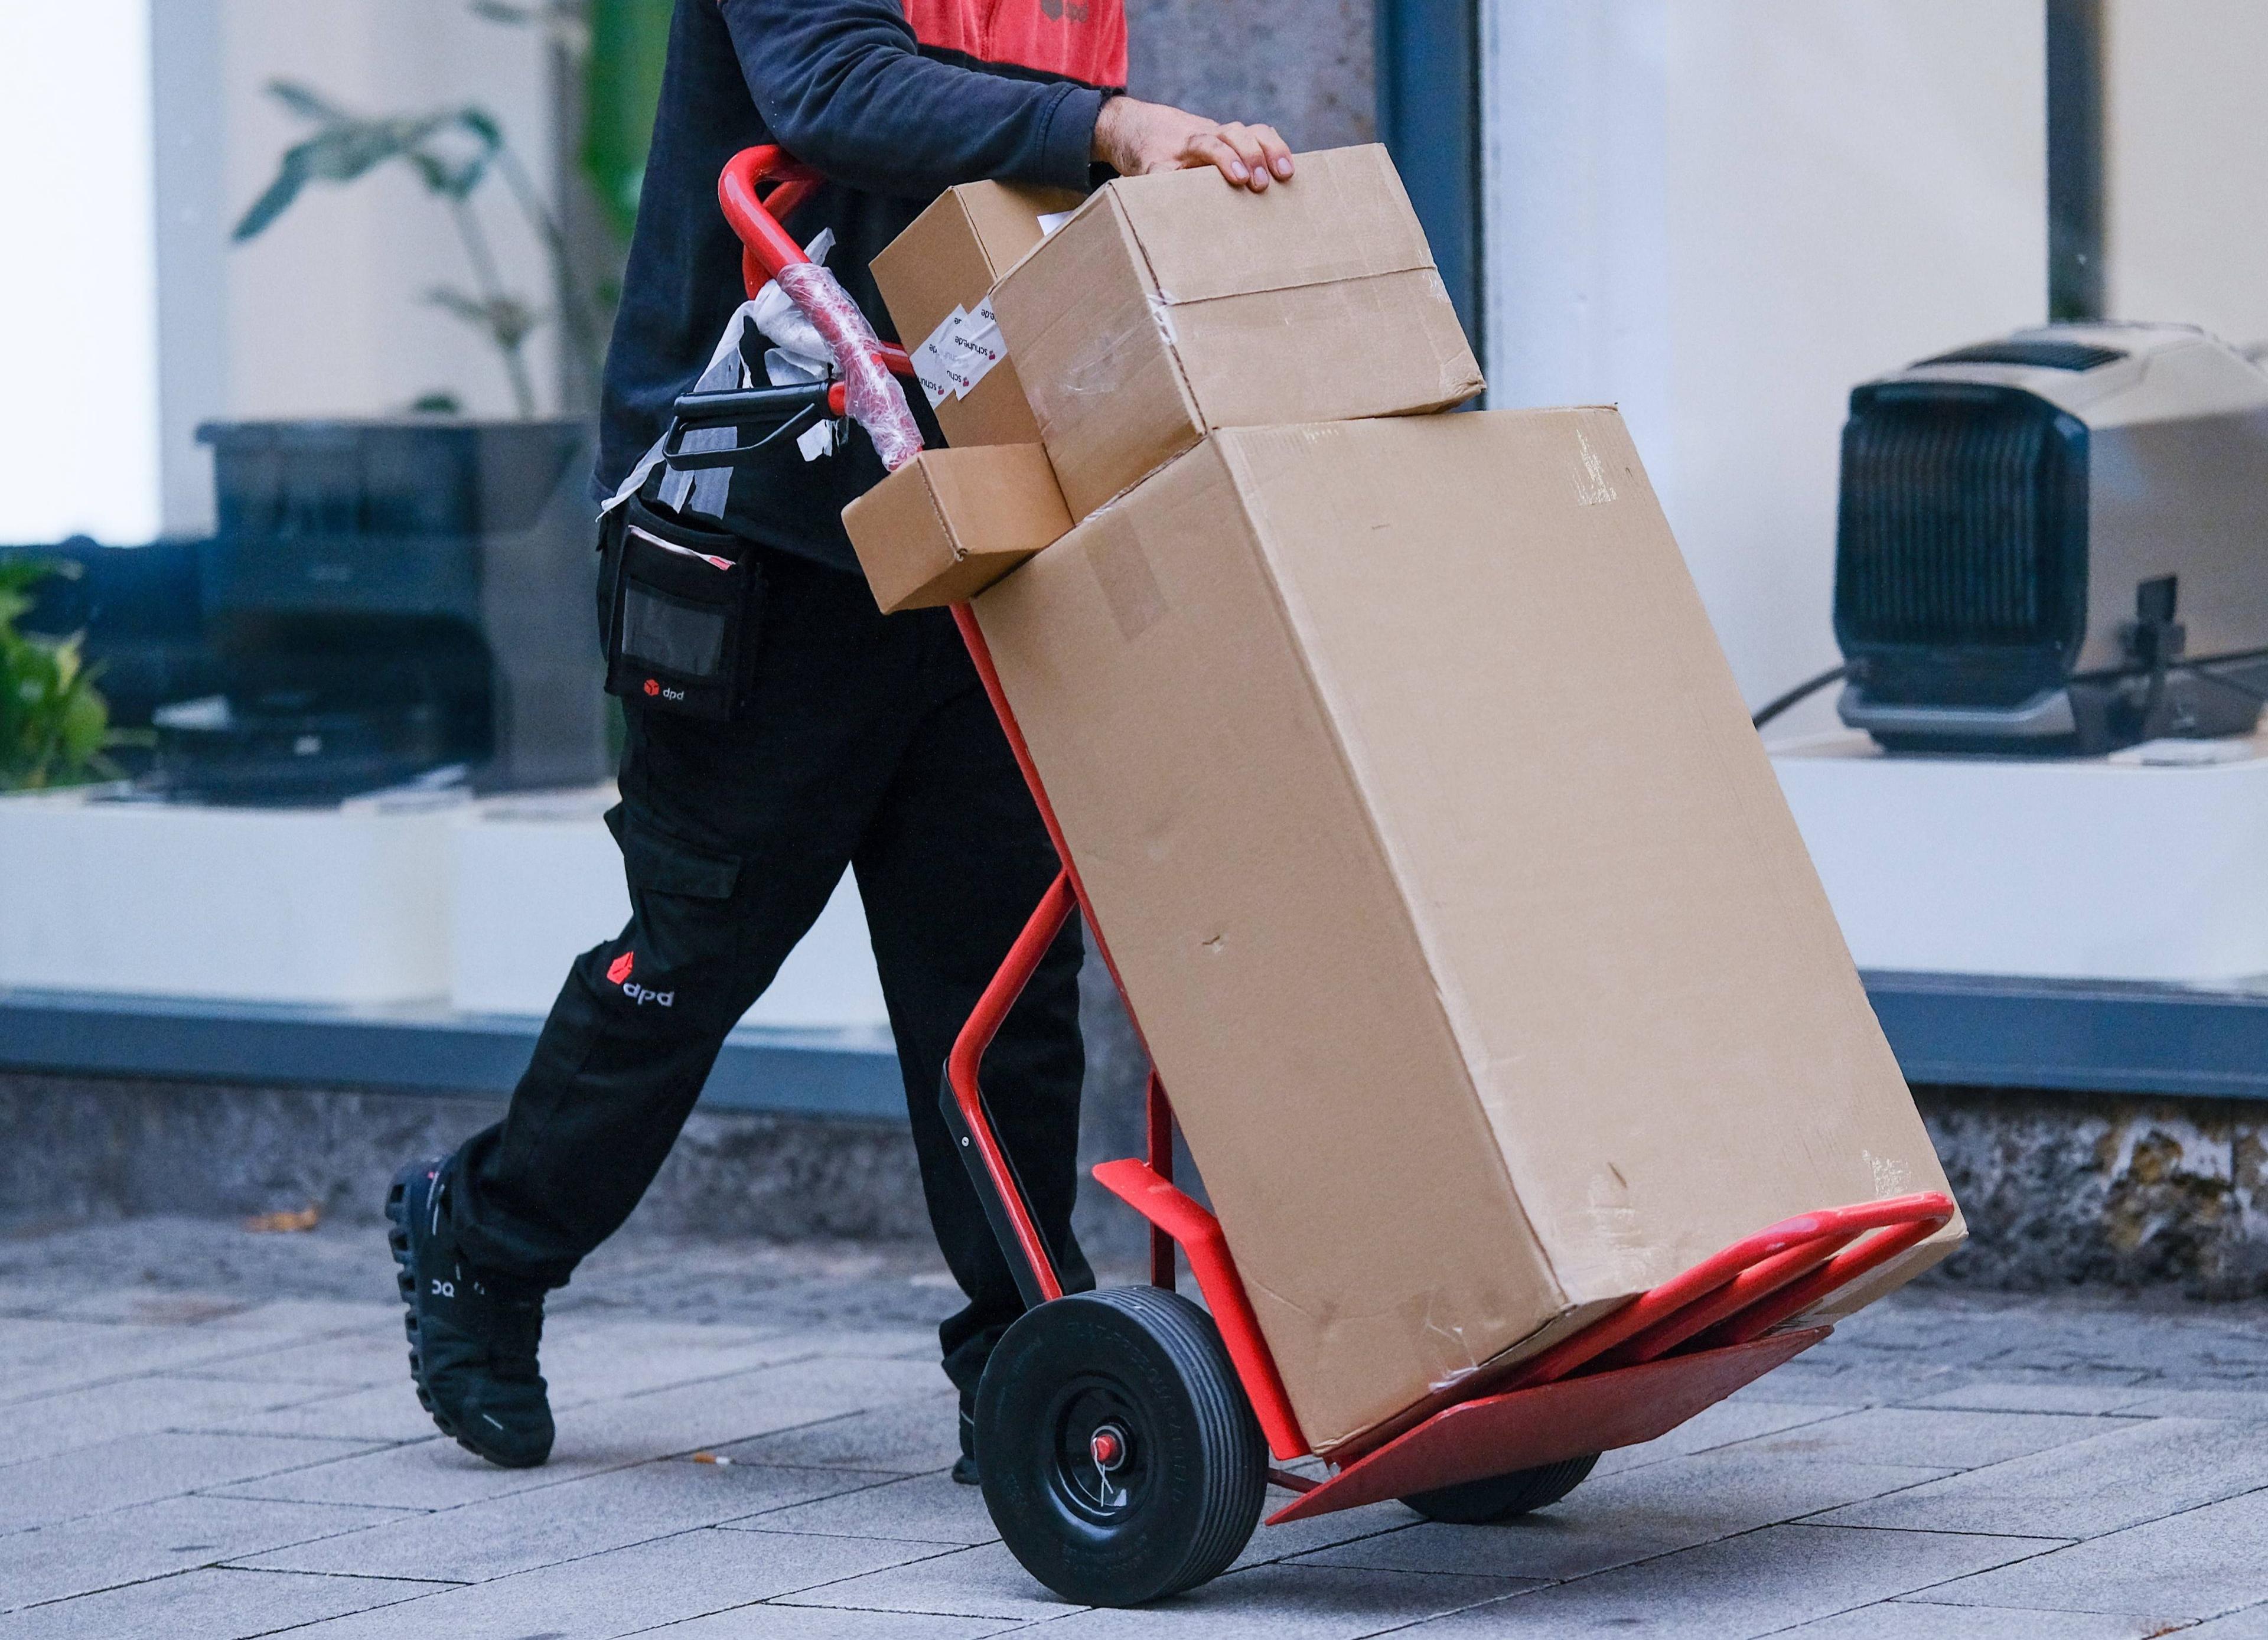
[[948, 524], [937, 278], [1173, 304], [1476, 945]]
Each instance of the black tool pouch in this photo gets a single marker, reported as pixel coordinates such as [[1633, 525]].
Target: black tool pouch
[[683, 608]]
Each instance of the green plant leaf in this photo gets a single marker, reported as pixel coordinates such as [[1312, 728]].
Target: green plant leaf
[[306, 101], [506, 320], [83, 727], [54, 722]]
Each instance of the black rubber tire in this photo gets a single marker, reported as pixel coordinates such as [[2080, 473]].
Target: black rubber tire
[[1502, 1497], [1183, 1502]]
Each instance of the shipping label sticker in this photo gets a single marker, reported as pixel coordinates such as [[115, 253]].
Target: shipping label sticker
[[932, 361], [976, 347]]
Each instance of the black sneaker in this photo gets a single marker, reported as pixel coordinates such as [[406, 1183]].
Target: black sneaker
[[472, 1345], [964, 1468]]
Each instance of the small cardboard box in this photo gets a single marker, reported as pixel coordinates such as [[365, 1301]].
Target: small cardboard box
[[1172, 304], [937, 279], [949, 523], [1464, 918]]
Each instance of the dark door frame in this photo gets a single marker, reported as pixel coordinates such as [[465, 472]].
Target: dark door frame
[[1429, 117]]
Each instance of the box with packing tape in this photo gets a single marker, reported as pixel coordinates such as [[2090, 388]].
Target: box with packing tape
[[947, 525], [1166, 305], [1463, 915], [1172, 304], [937, 278]]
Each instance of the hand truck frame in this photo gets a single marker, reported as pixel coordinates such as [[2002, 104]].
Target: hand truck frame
[[1124, 1437]]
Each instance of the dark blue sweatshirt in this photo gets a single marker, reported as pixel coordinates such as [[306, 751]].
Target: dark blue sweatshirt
[[892, 112]]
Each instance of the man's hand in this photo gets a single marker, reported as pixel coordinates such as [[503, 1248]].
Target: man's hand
[[1132, 136]]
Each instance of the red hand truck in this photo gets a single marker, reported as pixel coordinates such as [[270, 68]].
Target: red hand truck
[[1124, 1436]]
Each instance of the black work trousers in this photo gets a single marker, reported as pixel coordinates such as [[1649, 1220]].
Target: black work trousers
[[867, 742]]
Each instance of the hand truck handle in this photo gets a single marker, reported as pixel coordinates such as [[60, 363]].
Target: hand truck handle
[[782, 412], [767, 246]]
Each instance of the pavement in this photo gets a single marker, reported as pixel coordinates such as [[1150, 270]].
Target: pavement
[[211, 1433]]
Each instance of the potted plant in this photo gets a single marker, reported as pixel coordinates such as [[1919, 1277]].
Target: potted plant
[[54, 726], [379, 499]]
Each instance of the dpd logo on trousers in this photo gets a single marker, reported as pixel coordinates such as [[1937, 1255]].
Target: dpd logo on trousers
[[618, 972]]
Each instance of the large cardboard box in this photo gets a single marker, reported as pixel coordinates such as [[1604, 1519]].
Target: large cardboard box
[[1172, 304], [1477, 950], [937, 278], [949, 523]]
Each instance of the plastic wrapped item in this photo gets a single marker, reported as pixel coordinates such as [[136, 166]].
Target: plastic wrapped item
[[875, 399]]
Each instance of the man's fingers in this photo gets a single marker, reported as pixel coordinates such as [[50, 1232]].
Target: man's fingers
[[1245, 143], [1210, 148], [1275, 150]]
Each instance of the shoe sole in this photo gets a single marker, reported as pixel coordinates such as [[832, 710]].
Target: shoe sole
[[405, 1276]]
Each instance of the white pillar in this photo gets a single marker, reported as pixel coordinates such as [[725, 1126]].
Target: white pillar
[[78, 279], [1724, 214]]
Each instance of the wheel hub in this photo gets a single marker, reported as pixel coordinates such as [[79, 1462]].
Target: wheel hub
[[1099, 1467], [1108, 1447]]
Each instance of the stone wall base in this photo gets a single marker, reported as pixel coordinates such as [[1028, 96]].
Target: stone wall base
[[2104, 1189], [2061, 1189]]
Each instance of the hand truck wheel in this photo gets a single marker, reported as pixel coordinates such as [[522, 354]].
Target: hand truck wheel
[[1121, 1460], [1502, 1497]]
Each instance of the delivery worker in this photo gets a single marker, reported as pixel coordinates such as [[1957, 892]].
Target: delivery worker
[[865, 741]]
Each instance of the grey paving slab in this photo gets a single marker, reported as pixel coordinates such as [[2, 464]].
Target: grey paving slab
[[1745, 1586], [1913, 1620], [435, 1473], [2194, 1564], [41, 1357], [770, 1621], [1295, 1538], [922, 1508], [1638, 1515], [717, 1414], [142, 1307], [139, 1405], [2137, 1472], [244, 1304], [981, 1581], [152, 1540], [2080, 1399], [1740, 1419], [524, 1530], [586, 1361], [1290, 1602], [375, 1354], [627, 1591], [136, 1470], [890, 1342], [1934, 1439], [910, 1438], [208, 1605], [2240, 1406], [380, 1412], [2248, 1624]]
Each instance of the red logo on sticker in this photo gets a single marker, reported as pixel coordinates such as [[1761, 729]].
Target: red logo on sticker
[[653, 686], [620, 969]]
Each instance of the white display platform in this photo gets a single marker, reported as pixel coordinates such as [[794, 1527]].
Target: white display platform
[[339, 906], [2151, 864], [537, 879]]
